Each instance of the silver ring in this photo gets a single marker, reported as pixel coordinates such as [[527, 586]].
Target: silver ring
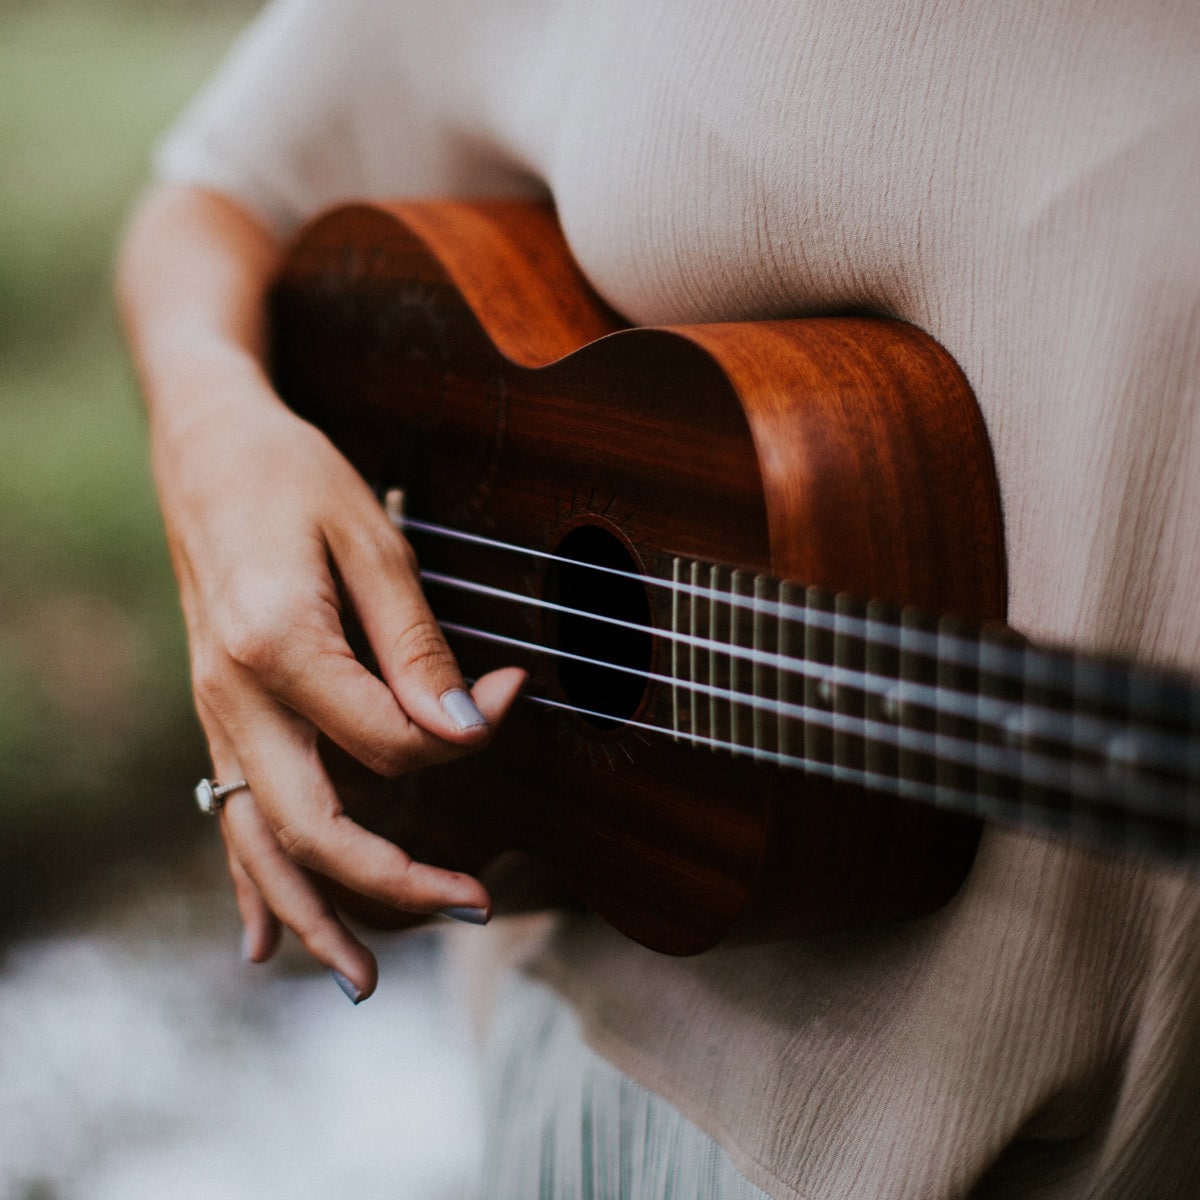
[[210, 795]]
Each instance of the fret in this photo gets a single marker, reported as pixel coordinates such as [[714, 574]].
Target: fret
[[999, 696], [676, 630], [1102, 692], [881, 756], [956, 730], [765, 676], [849, 656], [818, 686], [718, 660], [744, 676], [697, 627], [1164, 745], [1037, 732], [918, 665], [791, 631]]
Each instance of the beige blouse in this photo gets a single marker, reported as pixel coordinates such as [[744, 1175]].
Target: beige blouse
[[1023, 182]]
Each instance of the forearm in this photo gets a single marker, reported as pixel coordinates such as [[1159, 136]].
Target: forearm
[[192, 276], [192, 279]]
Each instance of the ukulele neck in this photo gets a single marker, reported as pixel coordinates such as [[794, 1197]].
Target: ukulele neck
[[967, 716]]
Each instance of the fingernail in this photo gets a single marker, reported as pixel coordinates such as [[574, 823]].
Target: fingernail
[[247, 947], [472, 916], [351, 991], [460, 708]]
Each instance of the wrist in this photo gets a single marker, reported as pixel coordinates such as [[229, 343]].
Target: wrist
[[209, 386]]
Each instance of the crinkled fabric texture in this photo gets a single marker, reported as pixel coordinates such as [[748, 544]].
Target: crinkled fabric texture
[[1019, 180]]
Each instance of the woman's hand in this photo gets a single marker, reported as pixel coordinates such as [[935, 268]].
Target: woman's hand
[[272, 533], [261, 512]]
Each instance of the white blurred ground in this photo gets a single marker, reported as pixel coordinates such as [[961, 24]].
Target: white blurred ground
[[140, 1059]]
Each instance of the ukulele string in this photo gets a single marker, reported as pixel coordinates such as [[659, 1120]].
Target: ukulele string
[[874, 780], [1118, 741], [1008, 720], [933, 644], [961, 651], [1035, 767], [1159, 804]]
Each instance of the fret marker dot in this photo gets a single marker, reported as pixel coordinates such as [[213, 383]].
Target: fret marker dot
[[1122, 751], [1015, 729]]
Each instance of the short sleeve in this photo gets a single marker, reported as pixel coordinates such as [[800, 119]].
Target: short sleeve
[[318, 103]]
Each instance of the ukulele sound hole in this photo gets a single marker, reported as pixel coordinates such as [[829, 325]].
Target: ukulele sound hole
[[605, 619]]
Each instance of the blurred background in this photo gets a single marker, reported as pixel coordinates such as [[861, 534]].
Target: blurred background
[[138, 1055]]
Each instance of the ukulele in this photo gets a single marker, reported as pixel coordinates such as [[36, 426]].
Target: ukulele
[[756, 574]]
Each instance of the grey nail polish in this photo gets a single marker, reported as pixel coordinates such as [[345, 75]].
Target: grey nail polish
[[352, 992], [460, 708], [472, 916]]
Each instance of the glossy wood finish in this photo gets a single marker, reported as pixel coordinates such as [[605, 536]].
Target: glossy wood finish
[[454, 350]]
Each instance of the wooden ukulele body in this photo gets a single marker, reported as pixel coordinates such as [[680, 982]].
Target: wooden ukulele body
[[454, 351]]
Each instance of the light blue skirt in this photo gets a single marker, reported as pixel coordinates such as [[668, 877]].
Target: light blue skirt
[[564, 1124]]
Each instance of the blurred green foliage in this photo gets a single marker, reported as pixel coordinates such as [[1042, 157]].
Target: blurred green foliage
[[97, 742]]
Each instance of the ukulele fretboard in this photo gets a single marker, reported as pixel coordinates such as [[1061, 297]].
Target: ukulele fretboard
[[963, 715]]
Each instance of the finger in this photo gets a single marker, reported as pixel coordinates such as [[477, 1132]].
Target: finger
[[266, 884], [261, 927], [358, 712], [284, 636], [380, 575], [302, 811], [353, 708], [295, 899], [312, 671], [496, 692]]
